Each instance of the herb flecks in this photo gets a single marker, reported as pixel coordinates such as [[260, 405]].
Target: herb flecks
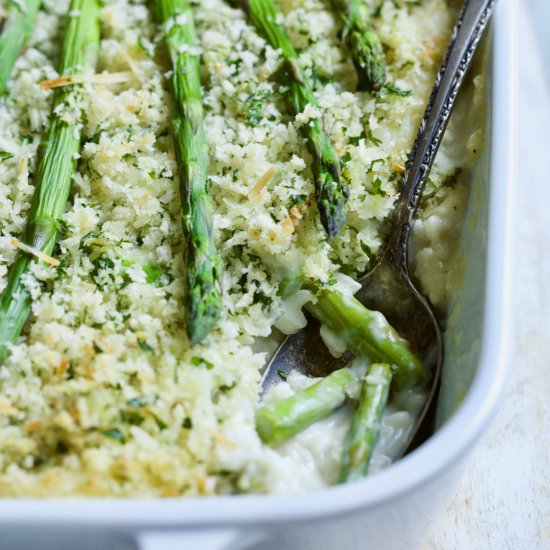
[[153, 273], [144, 346], [201, 362], [392, 89], [4, 155], [116, 434], [253, 106]]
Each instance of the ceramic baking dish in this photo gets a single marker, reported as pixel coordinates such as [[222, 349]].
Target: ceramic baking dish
[[396, 506]]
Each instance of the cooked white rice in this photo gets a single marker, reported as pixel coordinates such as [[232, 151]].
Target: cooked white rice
[[102, 395]]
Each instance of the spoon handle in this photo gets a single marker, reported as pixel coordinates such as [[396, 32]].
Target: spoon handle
[[468, 30]]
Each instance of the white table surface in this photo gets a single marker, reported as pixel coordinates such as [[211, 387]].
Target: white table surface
[[503, 501]]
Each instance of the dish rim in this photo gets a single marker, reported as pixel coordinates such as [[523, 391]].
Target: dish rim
[[441, 452]]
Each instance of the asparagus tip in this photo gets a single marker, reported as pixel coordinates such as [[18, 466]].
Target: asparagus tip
[[368, 57], [333, 208]]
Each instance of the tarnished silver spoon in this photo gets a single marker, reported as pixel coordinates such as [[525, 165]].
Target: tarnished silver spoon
[[388, 287]]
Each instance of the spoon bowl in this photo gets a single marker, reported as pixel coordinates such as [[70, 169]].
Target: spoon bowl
[[388, 287]]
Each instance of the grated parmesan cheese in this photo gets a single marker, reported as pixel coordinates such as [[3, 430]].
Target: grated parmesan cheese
[[35, 252]]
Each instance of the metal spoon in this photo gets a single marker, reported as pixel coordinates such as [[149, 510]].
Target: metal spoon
[[388, 287]]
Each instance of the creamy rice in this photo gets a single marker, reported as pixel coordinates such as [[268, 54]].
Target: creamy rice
[[102, 395]]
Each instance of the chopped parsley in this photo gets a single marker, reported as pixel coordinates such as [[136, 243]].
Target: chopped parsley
[[161, 425], [392, 89], [254, 105], [228, 387], [97, 348], [367, 250], [187, 423], [200, 362], [283, 375], [373, 139], [377, 187], [83, 245], [297, 199], [116, 434], [153, 273], [131, 417], [4, 155], [143, 345], [102, 264], [260, 297]]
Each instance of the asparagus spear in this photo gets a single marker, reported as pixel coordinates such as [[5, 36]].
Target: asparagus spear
[[368, 334], [363, 43], [365, 426], [332, 192], [278, 422], [365, 333], [17, 28], [57, 162], [204, 270]]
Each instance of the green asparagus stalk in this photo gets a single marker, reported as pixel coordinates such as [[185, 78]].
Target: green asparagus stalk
[[365, 426], [363, 43], [367, 333], [332, 192], [17, 28], [280, 421], [204, 272], [57, 162]]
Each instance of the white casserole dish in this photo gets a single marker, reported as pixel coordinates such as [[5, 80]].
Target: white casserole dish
[[396, 506]]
